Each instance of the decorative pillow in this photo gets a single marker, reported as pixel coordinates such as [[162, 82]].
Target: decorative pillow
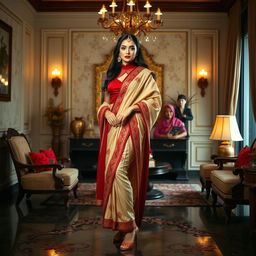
[[50, 155], [39, 159], [244, 157]]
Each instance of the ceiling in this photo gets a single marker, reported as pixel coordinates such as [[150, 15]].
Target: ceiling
[[165, 5]]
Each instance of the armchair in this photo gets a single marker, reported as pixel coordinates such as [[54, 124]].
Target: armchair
[[229, 185], [58, 180]]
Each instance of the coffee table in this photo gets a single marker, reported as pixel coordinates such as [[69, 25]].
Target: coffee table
[[160, 169]]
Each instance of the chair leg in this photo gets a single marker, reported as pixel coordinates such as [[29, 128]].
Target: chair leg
[[66, 199], [202, 183], [214, 197], [75, 190], [20, 196], [228, 206], [28, 195], [208, 188]]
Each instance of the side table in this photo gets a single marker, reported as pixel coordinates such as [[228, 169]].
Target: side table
[[160, 169]]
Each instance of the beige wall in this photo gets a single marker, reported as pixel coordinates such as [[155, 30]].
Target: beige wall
[[74, 42]]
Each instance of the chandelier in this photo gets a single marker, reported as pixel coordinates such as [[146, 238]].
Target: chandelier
[[130, 20]]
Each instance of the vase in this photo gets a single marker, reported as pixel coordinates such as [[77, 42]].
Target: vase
[[250, 176], [56, 139], [77, 127]]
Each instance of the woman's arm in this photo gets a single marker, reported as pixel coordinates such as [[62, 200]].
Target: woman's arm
[[178, 136], [106, 97]]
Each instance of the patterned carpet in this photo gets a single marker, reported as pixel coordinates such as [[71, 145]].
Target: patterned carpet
[[174, 195]]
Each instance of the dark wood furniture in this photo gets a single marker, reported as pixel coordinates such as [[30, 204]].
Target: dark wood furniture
[[249, 176], [174, 152], [160, 169], [84, 154]]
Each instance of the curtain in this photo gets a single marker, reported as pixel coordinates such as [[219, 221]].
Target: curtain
[[233, 61], [252, 51]]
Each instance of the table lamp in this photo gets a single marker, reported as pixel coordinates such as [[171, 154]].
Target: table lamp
[[226, 130]]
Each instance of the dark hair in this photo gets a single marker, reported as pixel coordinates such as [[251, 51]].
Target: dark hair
[[181, 96], [115, 66]]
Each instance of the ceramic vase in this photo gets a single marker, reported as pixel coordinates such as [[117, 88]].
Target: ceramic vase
[[77, 127]]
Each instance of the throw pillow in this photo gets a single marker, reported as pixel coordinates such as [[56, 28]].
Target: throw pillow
[[50, 155], [39, 159]]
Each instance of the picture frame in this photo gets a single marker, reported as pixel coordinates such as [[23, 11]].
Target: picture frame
[[5, 61], [101, 70]]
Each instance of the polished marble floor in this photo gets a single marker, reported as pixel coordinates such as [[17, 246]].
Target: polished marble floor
[[39, 230]]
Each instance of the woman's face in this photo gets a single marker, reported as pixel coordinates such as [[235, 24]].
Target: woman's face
[[127, 51], [168, 113]]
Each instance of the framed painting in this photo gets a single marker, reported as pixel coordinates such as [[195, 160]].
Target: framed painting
[[5, 61], [101, 70]]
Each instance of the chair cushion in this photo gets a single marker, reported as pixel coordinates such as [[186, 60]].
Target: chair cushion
[[206, 169], [224, 181], [45, 181]]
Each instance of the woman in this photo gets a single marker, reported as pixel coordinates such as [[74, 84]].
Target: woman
[[170, 127], [130, 108]]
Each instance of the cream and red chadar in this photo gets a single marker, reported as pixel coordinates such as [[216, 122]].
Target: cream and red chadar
[[122, 174]]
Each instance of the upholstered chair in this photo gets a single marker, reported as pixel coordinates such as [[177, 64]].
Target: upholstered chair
[[205, 174], [56, 180], [229, 186]]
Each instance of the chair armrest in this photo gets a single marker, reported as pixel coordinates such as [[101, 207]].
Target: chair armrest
[[31, 166], [240, 172], [58, 180]]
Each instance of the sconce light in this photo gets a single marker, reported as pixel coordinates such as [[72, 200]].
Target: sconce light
[[202, 81], [56, 81]]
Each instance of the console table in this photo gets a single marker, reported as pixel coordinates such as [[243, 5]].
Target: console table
[[84, 154], [174, 152]]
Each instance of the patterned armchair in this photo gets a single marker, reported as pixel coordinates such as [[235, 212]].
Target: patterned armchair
[[56, 180]]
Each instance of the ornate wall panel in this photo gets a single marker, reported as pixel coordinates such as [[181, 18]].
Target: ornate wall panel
[[11, 111], [204, 55], [28, 74], [54, 54]]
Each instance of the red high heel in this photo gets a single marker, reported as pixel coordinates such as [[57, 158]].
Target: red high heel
[[128, 245]]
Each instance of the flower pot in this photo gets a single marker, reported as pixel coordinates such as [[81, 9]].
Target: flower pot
[[250, 176], [77, 127]]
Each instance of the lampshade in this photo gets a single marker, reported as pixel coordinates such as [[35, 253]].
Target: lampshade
[[226, 128]]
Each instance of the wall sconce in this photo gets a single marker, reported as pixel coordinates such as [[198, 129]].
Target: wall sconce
[[202, 81], [56, 81]]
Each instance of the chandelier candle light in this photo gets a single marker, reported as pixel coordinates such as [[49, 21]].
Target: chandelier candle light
[[130, 20]]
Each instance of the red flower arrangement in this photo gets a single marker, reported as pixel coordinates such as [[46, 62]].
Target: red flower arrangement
[[55, 114], [246, 158]]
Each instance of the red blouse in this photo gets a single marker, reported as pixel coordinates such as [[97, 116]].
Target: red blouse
[[115, 85]]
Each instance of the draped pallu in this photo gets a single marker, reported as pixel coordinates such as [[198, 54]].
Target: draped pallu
[[122, 174]]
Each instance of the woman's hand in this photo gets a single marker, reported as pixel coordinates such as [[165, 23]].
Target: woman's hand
[[111, 118], [122, 117], [170, 136]]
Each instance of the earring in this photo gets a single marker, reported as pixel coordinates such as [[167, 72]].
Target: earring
[[119, 59]]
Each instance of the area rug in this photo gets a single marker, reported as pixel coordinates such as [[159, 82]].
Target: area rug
[[174, 195]]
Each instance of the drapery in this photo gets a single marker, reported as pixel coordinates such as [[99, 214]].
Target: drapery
[[119, 143], [233, 61], [252, 51]]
